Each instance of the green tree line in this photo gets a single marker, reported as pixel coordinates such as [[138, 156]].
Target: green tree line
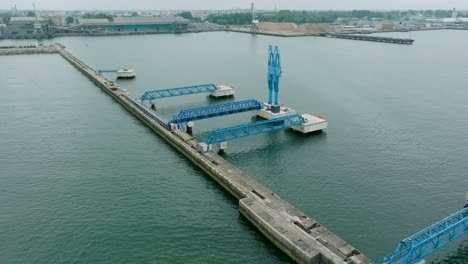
[[322, 16], [99, 15], [188, 15], [281, 16]]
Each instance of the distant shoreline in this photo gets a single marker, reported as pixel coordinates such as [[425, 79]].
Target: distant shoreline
[[275, 34]]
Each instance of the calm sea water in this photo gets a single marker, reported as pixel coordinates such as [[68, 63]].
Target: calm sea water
[[81, 180]]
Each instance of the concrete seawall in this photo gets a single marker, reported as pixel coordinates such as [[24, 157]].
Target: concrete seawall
[[298, 235], [29, 50]]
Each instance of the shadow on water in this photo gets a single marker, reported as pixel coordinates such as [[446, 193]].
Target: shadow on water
[[279, 140]]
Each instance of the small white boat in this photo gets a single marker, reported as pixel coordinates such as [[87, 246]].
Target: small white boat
[[126, 74]]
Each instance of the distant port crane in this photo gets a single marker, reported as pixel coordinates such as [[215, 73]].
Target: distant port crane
[[37, 25], [255, 21]]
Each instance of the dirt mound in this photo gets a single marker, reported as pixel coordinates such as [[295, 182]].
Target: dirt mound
[[294, 28], [316, 28], [278, 27]]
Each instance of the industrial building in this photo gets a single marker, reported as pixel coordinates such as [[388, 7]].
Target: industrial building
[[142, 23], [25, 25], [42, 27], [2, 27]]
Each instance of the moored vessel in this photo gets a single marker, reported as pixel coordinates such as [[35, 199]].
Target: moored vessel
[[126, 74]]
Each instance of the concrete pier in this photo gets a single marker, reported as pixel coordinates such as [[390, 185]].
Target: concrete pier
[[370, 38], [298, 235]]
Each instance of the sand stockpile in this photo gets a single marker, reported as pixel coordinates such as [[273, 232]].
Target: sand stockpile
[[316, 28], [278, 27], [294, 28]]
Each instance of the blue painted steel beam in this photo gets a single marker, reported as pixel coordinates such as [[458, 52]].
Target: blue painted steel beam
[[106, 71], [180, 91], [244, 130], [416, 247], [211, 111]]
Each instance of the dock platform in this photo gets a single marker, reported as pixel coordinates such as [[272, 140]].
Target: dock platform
[[223, 91], [312, 124]]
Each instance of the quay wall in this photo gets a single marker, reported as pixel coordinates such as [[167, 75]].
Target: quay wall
[[298, 235]]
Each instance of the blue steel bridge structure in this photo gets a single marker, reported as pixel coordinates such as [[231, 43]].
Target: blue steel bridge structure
[[106, 71], [178, 91], [415, 247], [255, 128], [211, 111]]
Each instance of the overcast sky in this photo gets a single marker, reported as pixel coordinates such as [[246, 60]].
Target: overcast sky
[[227, 4]]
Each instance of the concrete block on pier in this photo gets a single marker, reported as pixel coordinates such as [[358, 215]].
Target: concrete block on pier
[[203, 147], [267, 113], [190, 126], [222, 147]]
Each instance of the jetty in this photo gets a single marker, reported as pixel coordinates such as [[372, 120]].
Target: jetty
[[369, 38]]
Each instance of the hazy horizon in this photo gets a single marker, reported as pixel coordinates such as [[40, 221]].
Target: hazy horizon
[[243, 4]]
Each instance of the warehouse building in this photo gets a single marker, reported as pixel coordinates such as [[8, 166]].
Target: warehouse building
[[25, 25], [126, 24]]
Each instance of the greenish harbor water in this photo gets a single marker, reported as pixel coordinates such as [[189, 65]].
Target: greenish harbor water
[[83, 181]]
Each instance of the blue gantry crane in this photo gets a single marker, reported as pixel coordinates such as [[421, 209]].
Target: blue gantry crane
[[414, 248], [274, 74]]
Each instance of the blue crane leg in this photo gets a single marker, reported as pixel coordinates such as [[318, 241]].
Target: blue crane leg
[[276, 89], [270, 90], [274, 73]]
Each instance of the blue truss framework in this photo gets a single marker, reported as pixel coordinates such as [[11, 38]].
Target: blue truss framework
[[416, 247], [106, 71], [180, 91], [250, 129], [211, 111]]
